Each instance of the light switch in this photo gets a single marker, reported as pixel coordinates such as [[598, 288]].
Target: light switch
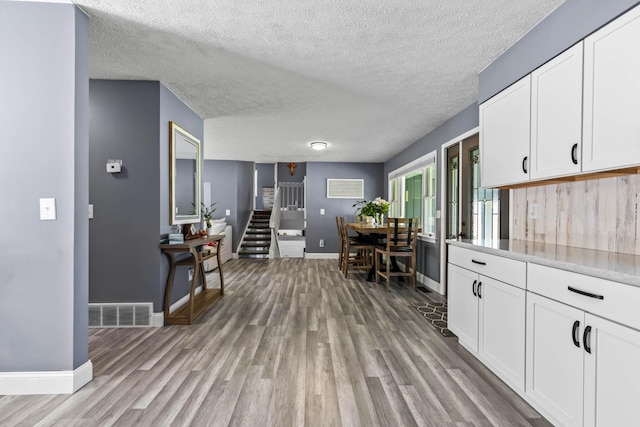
[[321, 211], [90, 211], [227, 212], [47, 209]]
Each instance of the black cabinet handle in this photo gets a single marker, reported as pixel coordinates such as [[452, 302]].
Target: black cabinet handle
[[478, 262], [574, 154], [479, 294], [585, 293], [575, 334], [586, 339], [524, 164], [473, 288]]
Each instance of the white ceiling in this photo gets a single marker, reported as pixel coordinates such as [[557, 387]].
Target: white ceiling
[[370, 77]]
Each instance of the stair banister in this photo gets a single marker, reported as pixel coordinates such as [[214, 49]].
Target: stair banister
[[274, 225]]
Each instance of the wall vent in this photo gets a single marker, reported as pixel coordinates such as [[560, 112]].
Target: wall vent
[[120, 315]]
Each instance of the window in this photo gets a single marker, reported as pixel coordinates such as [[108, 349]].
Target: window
[[485, 204], [473, 212], [412, 193], [452, 190]]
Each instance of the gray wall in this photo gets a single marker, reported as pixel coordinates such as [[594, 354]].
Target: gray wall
[[265, 179], [244, 195], [172, 109], [43, 103], [229, 180], [284, 173], [572, 21], [81, 182], [324, 226], [129, 120], [124, 234], [429, 253]]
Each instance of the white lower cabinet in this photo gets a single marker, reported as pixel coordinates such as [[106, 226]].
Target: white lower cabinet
[[568, 343], [463, 305], [488, 316], [554, 362], [612, 374], [581, 368]]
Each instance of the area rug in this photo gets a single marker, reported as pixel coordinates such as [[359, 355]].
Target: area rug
[[436, 315]]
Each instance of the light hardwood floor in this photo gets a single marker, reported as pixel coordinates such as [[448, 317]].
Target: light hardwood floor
[[291, 343]]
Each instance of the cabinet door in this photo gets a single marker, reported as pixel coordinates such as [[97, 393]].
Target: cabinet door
[[612, 374], [463, 305], [501, 337], [504, 136], [554, 364], [556, 116], [611, 94]]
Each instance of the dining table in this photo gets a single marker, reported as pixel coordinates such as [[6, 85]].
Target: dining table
[[376, 233]]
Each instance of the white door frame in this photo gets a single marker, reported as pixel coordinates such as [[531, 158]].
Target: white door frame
[[443, 203]]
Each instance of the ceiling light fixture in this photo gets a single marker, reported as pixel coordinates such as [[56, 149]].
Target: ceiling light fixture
[[318, 145]]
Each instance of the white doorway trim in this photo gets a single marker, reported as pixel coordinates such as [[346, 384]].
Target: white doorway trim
[[443, 203]]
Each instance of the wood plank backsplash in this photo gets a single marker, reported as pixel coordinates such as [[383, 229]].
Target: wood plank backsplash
[[595, 214]]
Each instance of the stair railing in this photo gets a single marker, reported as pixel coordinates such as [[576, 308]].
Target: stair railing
[[292, 197], [274, 225]]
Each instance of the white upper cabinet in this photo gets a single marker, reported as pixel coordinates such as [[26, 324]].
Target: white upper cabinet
[[556, 116], [611, 134], [504, 136]]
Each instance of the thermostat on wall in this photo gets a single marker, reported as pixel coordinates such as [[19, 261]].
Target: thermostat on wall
[[114, 166]]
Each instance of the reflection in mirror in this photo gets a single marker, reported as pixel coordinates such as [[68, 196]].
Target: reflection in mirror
[[184, 175]]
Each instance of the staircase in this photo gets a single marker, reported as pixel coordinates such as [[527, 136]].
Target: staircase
[[257, 239]]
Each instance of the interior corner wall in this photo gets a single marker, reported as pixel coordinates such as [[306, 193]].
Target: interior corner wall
[[124, 257], [223, 176], [324, 226], [245, 193], [428, 260], [569, 23], [284, 172], [81, 183], [265, 179], [172, 109], [44, 267]]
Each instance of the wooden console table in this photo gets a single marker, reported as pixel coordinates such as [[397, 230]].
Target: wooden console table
[[197, 304]]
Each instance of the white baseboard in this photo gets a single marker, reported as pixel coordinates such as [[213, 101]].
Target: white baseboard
[[157, 320], [46, 382], [319, 255], [427, 281]]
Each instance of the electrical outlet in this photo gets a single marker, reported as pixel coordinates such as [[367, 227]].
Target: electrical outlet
[[533, 211], [190, 274], [322, 243]]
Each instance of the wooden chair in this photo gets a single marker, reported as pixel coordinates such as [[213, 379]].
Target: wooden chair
[[355, 253], [402, 234], [339, 221]]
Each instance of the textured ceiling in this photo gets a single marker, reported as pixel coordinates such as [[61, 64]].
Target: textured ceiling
[[370, 77]]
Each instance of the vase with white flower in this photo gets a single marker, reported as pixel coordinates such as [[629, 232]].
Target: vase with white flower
[[375, 209], [207, 215]]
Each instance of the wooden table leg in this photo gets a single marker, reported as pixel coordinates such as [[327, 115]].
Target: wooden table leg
[[167, 291], [220, 267]]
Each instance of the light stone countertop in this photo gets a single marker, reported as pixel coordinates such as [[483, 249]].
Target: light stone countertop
[[624, 268]]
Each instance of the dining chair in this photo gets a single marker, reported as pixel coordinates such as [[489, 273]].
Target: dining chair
[[339, 221], [355, 253], [401, 242]]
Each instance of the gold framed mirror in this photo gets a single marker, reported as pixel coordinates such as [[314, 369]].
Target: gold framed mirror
[[184, 174]]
